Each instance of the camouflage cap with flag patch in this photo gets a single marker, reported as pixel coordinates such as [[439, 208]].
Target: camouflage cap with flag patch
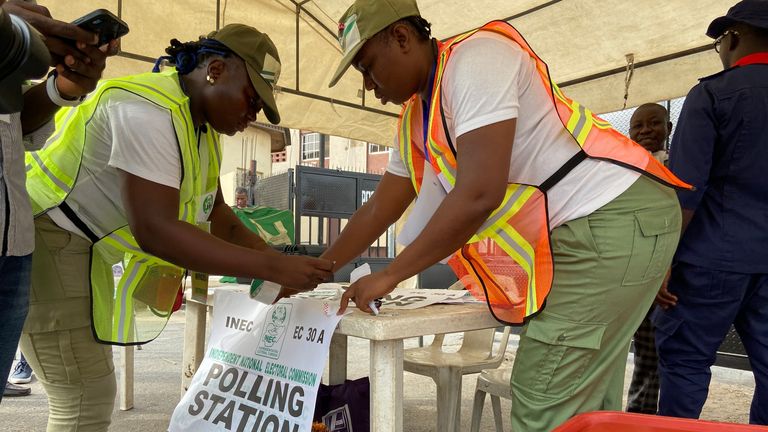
[[261, 60], [362, 21]]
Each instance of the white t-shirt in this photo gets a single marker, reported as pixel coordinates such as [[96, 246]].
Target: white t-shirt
[[489, 79], [128, 133]]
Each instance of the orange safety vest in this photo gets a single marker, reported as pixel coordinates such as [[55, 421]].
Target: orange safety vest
[[508, 262]]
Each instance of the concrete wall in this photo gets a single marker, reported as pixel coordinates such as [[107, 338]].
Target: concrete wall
[[238, 151], [347, 154]]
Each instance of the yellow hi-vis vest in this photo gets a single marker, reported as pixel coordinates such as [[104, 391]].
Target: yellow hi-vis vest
[[136, 308], [508, 262]]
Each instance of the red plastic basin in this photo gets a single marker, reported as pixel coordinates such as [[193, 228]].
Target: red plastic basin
[[610, 421]]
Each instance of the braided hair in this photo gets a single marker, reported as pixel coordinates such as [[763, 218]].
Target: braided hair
[[189, 55], [422, 27]]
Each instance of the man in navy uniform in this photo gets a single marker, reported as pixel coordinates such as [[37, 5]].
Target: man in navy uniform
[[719, 276]]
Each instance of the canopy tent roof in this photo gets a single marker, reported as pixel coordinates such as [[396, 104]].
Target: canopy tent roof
[[584, 42]]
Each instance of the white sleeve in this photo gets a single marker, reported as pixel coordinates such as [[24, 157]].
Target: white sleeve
[[481, 83], [36, 139], [144, 142], [396, 165]]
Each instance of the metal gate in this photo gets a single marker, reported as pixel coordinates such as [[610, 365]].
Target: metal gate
[[325, 199], [322, 201]]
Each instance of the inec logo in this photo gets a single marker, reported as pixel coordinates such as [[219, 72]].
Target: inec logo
[[208, 204], [273, 332], [349, 33]]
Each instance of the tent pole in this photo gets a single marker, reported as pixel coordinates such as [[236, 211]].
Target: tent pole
[[517, 15], [300, 6], [639, 65]]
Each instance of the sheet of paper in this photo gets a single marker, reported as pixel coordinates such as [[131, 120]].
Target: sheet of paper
[[405, 299], [363, 270], [430, 197]]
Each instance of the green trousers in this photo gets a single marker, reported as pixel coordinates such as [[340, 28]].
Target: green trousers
[[608, 268], [77, 373]]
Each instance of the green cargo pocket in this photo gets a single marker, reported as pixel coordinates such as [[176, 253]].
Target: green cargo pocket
[[553, 355], [653, 244]]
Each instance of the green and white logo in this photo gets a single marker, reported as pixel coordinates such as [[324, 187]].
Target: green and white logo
[[349, 33], [208, 204], [271, 70], [272, 335]]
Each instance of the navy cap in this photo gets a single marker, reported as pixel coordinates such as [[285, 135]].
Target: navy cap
[[752, 12]]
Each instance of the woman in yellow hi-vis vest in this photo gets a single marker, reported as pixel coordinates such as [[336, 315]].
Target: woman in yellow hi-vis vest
[[125, 178], [558, 221]]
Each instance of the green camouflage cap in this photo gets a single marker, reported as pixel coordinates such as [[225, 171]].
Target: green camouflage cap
[[362, 21], [261, 61]]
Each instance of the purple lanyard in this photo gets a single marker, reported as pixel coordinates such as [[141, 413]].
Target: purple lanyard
[[426, 106]]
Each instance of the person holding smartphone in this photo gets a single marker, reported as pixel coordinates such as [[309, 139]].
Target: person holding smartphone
[[126, 179], [79, 64]]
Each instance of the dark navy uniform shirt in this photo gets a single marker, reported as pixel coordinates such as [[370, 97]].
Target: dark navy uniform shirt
[[721, 147]]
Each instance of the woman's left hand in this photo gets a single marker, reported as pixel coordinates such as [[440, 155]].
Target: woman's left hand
[[367, 289]]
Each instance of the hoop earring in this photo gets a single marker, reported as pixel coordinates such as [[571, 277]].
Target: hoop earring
[[209, 79]]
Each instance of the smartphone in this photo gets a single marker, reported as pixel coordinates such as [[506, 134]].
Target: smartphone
[[104, 23]]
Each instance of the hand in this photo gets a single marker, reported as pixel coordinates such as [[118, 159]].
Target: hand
[[77, 78], [58, 34], [376, 285], [301, 273], [80, 64], [664, 298]]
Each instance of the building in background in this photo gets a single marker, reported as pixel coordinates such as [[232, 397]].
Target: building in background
[[308, 148], [247, 156], [272, 153], [265, 150]]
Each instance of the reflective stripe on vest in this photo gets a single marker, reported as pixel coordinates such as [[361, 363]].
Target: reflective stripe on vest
[[126, 313], [508, 262]]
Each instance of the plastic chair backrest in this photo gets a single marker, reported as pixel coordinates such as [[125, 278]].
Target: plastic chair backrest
[[478, 341], [438, 276], [482, 341]]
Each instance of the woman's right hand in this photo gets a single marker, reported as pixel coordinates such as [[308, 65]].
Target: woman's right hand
[[299, 272]]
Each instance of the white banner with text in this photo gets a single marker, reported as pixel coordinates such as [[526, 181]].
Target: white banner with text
[[262, 368]]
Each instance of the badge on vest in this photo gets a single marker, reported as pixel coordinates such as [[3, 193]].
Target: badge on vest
[[205, 206]]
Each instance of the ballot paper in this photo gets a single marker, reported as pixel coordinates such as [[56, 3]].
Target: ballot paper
[[363, 270], [264, 291], [431, 195], [400, 298], [417, 298]]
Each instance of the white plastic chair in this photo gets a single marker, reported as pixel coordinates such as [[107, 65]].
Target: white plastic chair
[[496, 383], [447, 369]]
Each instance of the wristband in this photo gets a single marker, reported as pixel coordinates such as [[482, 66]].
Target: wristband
[[55, 96]]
